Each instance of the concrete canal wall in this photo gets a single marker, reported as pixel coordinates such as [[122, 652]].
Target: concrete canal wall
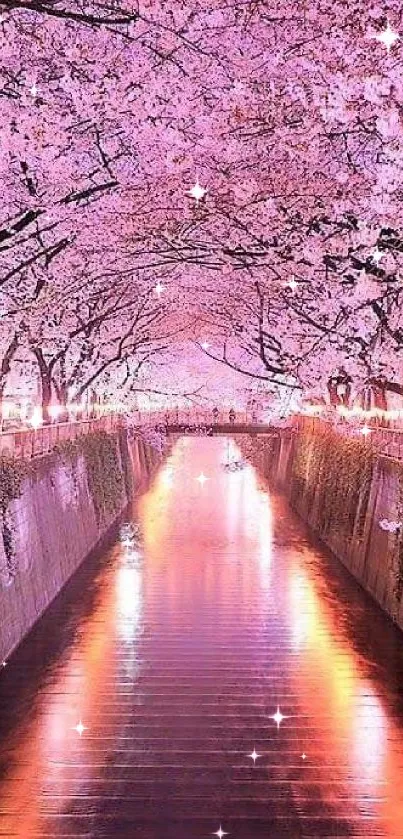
[[67, 503], [343, 489]]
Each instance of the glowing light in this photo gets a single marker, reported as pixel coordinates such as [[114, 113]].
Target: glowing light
[[292, 284], [4, 664], [373, 413], [80, 728], [24, 411], [167, 477], [388, 37], [205, 345], [254, 755], [197, 192], [159, 288], [36, 419], [55, 411], [33, 90], [278, 717], [73, 407], [312, 409], [365, 430], [202, 479], [220, 833], [377, 255], [7, 409], [303, 756]]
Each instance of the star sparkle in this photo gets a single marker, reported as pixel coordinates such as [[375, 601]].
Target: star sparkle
[[202, 478], [303, 756], [278, 717], [220, 833], [80, 728], [159, 288], [365, 430], [377, 256], [205, 345], [388, 37], [197, 192], [254, 755], [292, 284]]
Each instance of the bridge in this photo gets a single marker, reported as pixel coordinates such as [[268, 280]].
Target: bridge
[[213, 429], [30, 442]]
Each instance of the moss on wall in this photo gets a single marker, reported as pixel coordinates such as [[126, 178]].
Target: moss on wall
[[103, 468], [333, 471], [105, 479]]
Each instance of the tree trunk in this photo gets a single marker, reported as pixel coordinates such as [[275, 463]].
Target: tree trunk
[[46, 384], [5, 368]]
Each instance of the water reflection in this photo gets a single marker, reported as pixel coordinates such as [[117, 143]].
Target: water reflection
[[212, 610], [129, 601]]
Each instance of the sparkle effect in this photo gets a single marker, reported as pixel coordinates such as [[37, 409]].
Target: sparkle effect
[[159, 288], [278, 717], [202, 479], [197, 192], [254, 755], [377, 256], [365, 430], [388, 37], [80, 728], [220, 833], [292, 284]]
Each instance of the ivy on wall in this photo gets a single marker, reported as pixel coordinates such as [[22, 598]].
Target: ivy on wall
[[332, 476], [333, 472], [260, 450], [105, 479], [12, 475], [397, 550]]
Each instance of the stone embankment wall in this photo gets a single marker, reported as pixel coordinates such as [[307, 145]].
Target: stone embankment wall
[[343, 489], [66, 504]]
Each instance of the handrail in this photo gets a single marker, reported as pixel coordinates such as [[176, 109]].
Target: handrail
[[36, 442], [387, 441], [28, 442]]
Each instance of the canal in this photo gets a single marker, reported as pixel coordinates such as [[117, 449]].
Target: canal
[[214, 671]]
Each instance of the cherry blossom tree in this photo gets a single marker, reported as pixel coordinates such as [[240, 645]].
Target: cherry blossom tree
[[248, 159]]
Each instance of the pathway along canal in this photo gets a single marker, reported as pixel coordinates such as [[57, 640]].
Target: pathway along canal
[[175, 654]]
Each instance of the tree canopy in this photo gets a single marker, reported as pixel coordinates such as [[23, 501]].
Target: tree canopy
[[184, 173]]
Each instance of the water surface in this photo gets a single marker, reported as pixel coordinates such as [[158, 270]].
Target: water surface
[[176, 651]]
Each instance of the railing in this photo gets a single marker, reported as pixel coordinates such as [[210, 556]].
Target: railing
[[28, 442], [387, 441], [196, 417], [36, 442]]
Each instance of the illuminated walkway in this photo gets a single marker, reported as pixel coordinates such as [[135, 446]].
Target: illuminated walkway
[[175, 659]]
